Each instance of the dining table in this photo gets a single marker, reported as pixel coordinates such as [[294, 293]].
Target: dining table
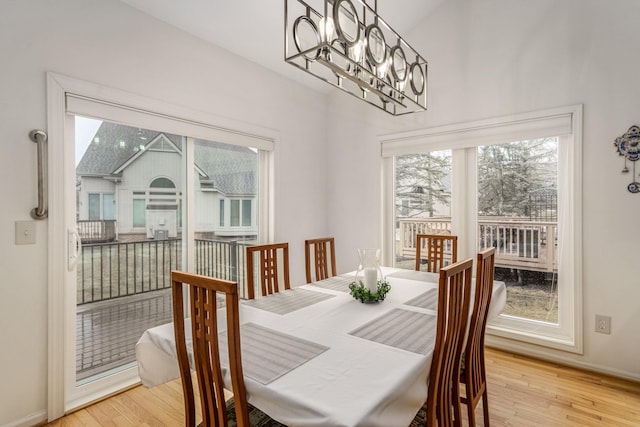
[[315, 356]]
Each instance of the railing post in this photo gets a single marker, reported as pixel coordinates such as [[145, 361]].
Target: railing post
[[233, 260]]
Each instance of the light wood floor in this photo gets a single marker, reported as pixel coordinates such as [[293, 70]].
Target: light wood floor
[[523, 392]]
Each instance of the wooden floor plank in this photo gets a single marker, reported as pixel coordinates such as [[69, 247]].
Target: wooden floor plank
[[523, 392]]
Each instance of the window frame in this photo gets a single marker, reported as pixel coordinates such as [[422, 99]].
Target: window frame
[[462, 139]]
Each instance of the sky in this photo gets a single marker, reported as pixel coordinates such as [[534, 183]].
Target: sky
[[85, 131]]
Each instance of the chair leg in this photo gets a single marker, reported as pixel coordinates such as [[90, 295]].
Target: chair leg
[[471, 413], [485, 407]]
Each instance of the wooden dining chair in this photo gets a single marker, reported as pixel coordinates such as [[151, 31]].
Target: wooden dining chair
[[271, 281], [454, 295], [473, 373], [203, 291], [324, 258], [435, 246]]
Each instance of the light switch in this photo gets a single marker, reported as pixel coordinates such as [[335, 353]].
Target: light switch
[[25, 232]]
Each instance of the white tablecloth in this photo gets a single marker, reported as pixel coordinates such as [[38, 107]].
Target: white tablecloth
[[356, 382]]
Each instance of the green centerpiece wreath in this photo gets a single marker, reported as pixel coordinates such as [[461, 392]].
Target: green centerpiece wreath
[[364, 295]]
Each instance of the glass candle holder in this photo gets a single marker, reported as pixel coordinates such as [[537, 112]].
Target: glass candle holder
[[369, 268]]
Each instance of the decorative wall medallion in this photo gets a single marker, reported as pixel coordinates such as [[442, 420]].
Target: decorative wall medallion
[[628, 145]]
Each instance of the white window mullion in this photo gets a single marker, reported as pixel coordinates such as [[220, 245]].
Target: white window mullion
[[463, 200], [266, 198], [388, 210], [189, 205]]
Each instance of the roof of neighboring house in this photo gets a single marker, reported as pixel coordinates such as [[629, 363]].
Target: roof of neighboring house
[[232, 169], [229, 169]]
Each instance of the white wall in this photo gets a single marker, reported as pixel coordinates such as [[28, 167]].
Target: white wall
[[487, 58], [493, 58], [108, 43]]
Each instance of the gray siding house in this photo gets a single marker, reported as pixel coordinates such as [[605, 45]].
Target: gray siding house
[[133, 178]]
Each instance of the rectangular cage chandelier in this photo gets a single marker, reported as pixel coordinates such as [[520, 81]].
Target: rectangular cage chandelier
[[348, 45]]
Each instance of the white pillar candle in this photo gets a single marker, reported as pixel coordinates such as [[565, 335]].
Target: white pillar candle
[[371, 279]]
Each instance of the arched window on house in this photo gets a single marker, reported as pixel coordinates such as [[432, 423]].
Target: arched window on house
[[163, 208]]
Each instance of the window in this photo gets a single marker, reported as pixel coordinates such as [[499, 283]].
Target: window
[[517, 214], [240, 213], [101, 206], [235, 213], [162, 183], [108, 206], [246, 213], [139, 213], [222, 213], [422, 200], [94, 206], [512, 183]]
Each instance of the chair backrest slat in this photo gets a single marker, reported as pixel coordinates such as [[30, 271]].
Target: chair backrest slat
[[431, 249], [324, 258], [268, 268]]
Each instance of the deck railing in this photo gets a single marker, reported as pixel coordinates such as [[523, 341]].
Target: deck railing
[[97, 231], [520, 244], [111, 270]]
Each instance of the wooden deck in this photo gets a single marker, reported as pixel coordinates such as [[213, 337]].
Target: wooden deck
[[107, 331]]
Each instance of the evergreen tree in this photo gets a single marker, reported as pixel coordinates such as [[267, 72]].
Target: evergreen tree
[[509, 173], [422, 181]]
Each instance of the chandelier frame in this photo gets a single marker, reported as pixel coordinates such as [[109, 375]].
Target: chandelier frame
[[348, 45]]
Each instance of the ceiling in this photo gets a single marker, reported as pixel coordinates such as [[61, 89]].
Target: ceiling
[[254, 29]]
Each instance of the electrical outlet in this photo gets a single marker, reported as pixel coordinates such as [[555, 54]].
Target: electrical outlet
[[603, 324]]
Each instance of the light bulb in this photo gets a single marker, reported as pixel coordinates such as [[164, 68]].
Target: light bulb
[[382, 69], [355, 51], [327, 30]]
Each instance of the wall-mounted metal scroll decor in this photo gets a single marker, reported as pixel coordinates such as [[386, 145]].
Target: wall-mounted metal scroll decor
[[628, 145]]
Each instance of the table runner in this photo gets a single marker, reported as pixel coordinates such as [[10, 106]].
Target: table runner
[[287, 301], [336, 283], [404, 329], [268, 354], [428, 300]]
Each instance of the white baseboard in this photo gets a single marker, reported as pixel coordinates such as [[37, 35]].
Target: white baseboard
[[30, 420], [553, 356]]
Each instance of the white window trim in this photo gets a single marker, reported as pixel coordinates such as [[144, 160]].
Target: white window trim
[[565, 122], [66, 96]]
